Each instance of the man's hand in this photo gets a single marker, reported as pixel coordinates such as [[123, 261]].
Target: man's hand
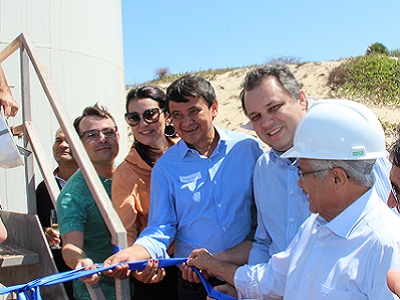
[[226, 289], [201, 258], [10, 106], [6, 98], [393, 281], [189, 275], [151, 273], [52, 236], [88, 263], [130, 254], [206, 262]]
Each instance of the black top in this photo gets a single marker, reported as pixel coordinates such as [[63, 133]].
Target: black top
[[44, 206]]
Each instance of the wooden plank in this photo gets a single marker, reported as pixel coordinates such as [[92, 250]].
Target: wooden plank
[[24, 231], [13, 255], [44, 165], [27, 117], [103, 202], [114, 224], [10, 49]]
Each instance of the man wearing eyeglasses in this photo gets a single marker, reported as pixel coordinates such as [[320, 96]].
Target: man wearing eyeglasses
[[344, 249], [201, 189], [273, 101], [86, 239], [275, 104]]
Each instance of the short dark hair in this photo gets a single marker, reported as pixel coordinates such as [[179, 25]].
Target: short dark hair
[[191, 86], [95, 110], [280, 72], [146, 91]]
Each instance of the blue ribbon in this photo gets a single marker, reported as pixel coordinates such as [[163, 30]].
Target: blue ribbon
[[31, 290]]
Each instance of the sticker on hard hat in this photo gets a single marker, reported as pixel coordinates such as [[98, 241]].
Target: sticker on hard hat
[[358, 151]]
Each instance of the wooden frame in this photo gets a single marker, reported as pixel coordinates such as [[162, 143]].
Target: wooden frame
[[28, 52]]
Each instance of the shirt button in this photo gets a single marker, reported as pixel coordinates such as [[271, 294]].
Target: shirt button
[[291, 192], [219, 205], [209, 159], [292, 167], [215, 182], [291, 220], [223, 229]]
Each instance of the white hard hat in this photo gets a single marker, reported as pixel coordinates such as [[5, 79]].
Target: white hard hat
[[340, 130], [9, 153]]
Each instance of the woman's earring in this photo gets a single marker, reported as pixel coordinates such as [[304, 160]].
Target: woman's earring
[[170, 130]]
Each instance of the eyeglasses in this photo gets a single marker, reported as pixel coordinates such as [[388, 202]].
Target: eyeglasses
[[150, 116], [302, 174], [93, 135]]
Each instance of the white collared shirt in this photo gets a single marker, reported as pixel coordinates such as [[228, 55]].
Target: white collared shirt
[[346, 258]]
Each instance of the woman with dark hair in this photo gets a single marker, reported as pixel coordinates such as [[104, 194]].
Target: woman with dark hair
[[146, 113]]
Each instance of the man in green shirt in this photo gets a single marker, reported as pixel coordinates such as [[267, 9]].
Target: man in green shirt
[[86, 239]]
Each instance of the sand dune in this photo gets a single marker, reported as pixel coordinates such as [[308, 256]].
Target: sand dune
[[313, 78]]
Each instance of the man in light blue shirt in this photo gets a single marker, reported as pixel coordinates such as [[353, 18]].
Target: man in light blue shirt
[[275, 104], [344, 249], [201, 188]]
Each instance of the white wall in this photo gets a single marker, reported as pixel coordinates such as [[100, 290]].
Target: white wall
[[80, 44]]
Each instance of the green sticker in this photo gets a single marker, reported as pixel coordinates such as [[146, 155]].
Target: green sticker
[[358, 153]]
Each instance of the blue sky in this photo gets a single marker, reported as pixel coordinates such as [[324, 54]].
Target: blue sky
[[193, 35]]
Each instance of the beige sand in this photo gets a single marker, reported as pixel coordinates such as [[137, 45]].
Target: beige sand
[[313, 78]]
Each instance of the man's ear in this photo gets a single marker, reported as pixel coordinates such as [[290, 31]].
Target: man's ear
[[339, 179], [303, 101], [214, 109]]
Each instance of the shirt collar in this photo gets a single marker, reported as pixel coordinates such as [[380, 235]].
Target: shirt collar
[[223, 138], [61, 181], [343, 224], [276, 157]]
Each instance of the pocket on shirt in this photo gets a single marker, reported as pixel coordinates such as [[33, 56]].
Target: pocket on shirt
[[331, 293]]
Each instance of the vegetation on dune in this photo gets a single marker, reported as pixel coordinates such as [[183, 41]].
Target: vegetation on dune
[[374, 78], [209, 74]]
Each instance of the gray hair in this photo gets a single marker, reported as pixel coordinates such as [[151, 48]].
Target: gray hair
[[280, 72], [358, 171]]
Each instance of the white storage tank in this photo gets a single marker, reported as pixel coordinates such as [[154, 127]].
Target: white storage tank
[[80, 44]]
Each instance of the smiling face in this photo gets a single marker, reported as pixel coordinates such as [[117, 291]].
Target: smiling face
[[148, 134], [274, 114], [61, 151], [319, 191], [193, 121], [102, 150]]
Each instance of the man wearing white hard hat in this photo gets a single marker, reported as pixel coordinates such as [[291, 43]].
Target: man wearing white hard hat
[[275, 104], [345, 248]]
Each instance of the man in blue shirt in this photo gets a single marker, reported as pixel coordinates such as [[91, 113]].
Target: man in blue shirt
[[275, 104], [344, 249], [201, 188]]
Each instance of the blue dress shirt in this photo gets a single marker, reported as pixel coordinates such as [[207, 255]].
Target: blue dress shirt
[[200, 201]]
